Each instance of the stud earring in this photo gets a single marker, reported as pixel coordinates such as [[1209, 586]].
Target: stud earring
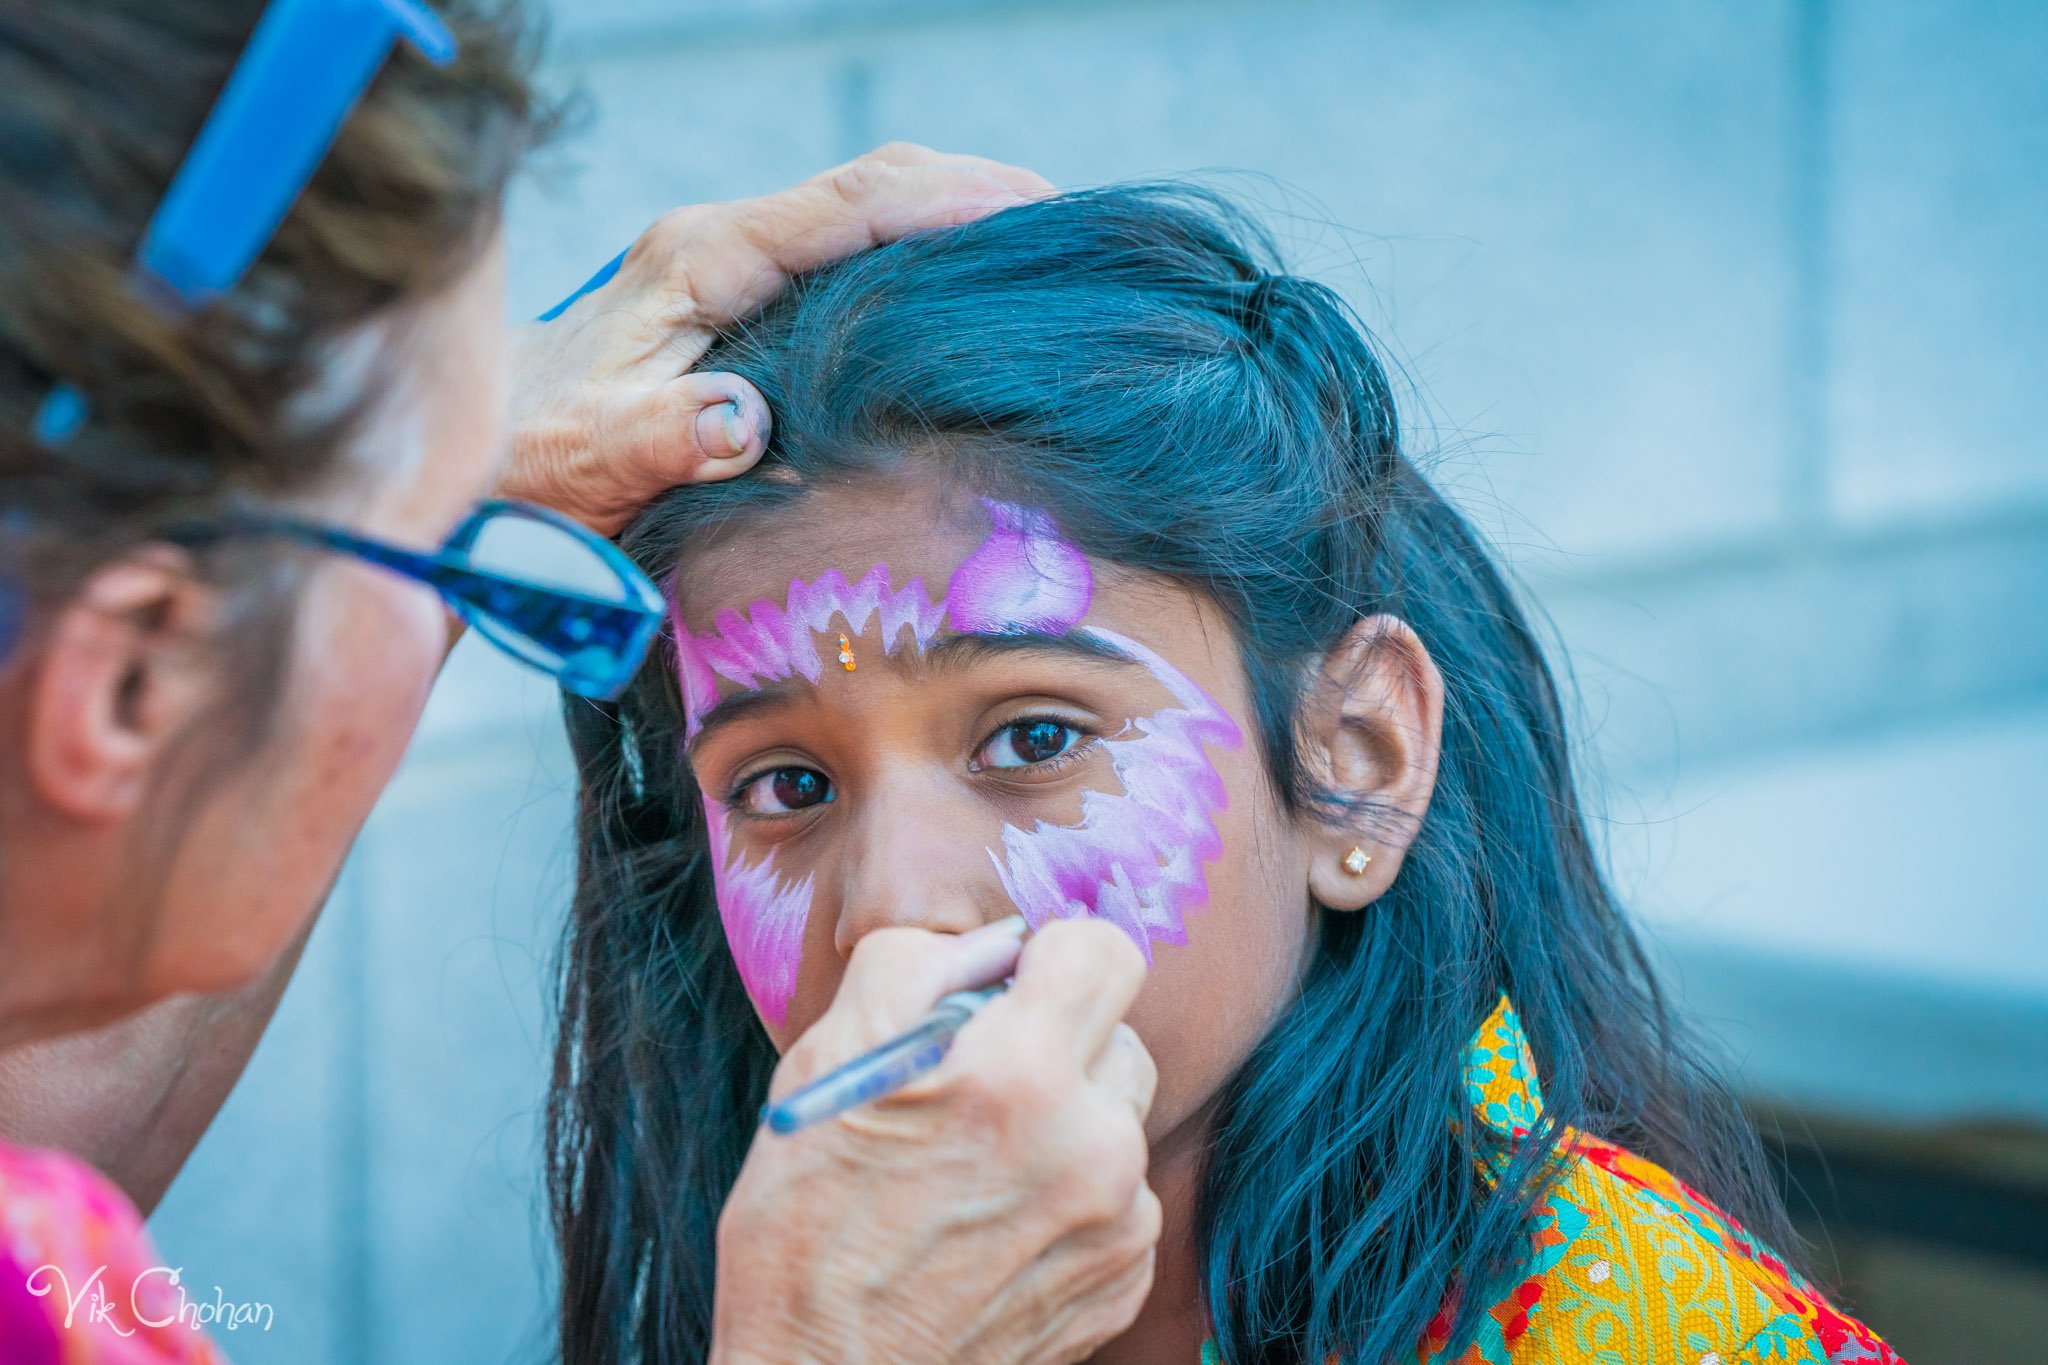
[[846, 653], [1356, 860]]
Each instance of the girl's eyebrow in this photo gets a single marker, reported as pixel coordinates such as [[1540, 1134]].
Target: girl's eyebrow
[[735, 706], [971, 647], [960, 650]]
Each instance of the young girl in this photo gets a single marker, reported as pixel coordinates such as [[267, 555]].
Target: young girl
[[1085, 576]]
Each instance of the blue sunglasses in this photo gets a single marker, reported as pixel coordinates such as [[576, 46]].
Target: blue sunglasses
[[528, 579], [546, 590]]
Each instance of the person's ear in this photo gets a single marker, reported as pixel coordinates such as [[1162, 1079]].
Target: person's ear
[[1369, 735], [120, 672]]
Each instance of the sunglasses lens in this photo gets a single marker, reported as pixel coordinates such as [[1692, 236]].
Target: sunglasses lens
[[546, 555], [593, 657]]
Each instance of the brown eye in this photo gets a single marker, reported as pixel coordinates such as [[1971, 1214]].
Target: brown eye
[[1025, 743], [780, 791]]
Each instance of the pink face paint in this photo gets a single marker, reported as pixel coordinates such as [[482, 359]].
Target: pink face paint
[[1135, 859], [777, 641], [1024, 577], [764, 919]]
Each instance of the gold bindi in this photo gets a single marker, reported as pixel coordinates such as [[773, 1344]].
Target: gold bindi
[[846, 653]]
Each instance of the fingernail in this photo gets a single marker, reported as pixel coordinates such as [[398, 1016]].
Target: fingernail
[[989, 953], [723, 431], [1003, 929]]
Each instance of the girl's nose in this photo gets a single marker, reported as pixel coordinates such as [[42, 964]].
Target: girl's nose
[[916, 854]]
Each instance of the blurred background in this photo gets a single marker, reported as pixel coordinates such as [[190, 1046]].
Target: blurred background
[[1726, 319]]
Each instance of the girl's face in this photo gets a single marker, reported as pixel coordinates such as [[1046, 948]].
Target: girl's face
[[909, 709]]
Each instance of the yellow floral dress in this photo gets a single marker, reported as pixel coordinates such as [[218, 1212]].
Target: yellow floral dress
[[1627, 1265]]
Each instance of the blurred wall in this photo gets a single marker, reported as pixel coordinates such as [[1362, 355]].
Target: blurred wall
[[1725, 319]]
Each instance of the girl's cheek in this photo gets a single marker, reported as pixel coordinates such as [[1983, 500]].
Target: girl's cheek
[[1207, 1004], [818, 980], [1141, 855]]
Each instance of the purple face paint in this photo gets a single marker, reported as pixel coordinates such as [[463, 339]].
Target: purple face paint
[[1024, 577], [1135, 859], [777, 641], [764, 919]]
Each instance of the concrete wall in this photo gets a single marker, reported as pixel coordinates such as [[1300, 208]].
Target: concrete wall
[[1726, 318]]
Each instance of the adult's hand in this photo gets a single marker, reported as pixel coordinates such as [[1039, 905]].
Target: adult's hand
[[607, 412], [996, 1212]]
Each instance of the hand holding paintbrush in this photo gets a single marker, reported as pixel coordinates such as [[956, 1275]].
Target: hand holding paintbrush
[[1009, 1158], [887, 1068]]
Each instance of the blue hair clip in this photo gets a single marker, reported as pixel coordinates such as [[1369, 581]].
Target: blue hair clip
[[303, 71]]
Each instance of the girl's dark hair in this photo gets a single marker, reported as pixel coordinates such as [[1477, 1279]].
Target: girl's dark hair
[[1127, 358], [99, 102]]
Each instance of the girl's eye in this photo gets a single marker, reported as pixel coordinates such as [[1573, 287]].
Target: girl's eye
[[1025, 743], [779, 791]]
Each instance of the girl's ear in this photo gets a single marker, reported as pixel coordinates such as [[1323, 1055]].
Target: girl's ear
[[1369, 734]]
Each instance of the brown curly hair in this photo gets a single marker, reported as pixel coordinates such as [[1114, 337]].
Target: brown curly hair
[[99, 102]]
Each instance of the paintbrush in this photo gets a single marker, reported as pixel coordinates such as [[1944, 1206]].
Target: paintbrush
[[882, 1070]]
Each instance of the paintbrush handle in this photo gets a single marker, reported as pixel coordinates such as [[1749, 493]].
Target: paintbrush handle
[[881, 1070]]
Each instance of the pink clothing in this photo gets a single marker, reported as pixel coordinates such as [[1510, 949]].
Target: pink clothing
[[80, 1283]]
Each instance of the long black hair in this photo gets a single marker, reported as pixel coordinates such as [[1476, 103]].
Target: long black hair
[[1130, 359]]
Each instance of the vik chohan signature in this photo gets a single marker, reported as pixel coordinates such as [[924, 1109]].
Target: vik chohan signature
[[156, 1299]]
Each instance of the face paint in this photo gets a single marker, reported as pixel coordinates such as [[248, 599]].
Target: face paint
[[772, 641], [1024, 577], [1135, 859], [764, 919]]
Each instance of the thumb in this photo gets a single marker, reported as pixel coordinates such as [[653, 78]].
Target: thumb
[[896, 974], [699, 427]]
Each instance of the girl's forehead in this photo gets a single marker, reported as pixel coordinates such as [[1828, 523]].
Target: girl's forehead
[[1023, 581], [914, 530], [756, 611]]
